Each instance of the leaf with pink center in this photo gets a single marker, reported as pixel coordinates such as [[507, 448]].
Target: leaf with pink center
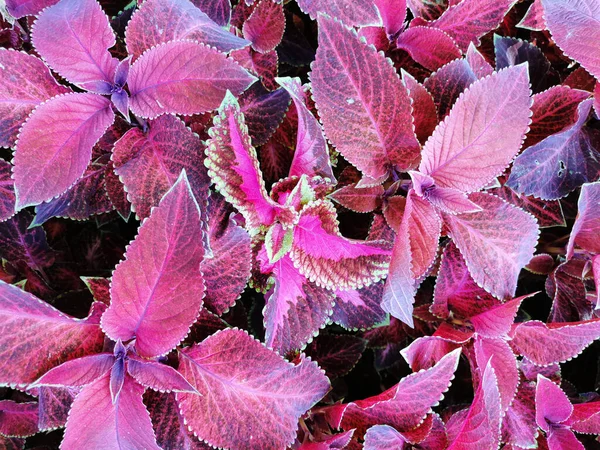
[[79, 52], [78, 372], [358, 13], [233, 167], [545, 344], [183, 77], [430, 47], [330, 260], [448, 83], [336, 354], [158, 304], [218, 10], [424, 110], [95, 421], [239, 377], [552, 406], [46, 164], [312, 153], [406, 404], [481, 425], [157, 376], [22, 8], [157, 22], [415, 249], [496, 242], [465, 160], [359, 308], [54, 406], [28, 322], [149, 163], [364, 107], [580, 39], [382, 437], [585, 229], [469, 20], [393, 14], [18, 419], [559, 164], [497, 321], [265, 26], [25, 83]]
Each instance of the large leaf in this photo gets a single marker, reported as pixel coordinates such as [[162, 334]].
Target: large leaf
[[183, 77], [330, 260], [350, 12], [559, 164], [393, 14], [27, 322], [365, 108], [158, 304], [575, 27], [160, 21], [496, 242], [79, 52], [149, 163], [265, 26], [248, 385], [460, 153], [25, 82], [55, 145], [587, 224], [22, 8], [95, 421]]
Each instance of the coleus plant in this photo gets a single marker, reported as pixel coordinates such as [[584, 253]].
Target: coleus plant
[[376, 173]]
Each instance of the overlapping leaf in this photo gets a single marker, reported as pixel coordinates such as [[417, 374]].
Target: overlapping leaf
[[352, 13]]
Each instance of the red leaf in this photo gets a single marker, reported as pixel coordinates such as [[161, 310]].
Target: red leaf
[[159, 377], [424, 110], [362, 200], [358, 13], [78, 372], [519, 427], [18, 419], [534, 17], [54, 406], [7, 192], [217, 10], [478, 63], [265, 26], [430, 47]]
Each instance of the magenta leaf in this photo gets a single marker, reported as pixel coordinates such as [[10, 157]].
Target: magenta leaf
[[54, 405], [583, 17], [562, 438], [497, 321], [183, 77], [25, 83], [585, 229], [218, 10], [158, 304], [149, 163], [324, 256], [79, 52], [95, 421], [430, 47], [519, 427], [18, 419], [239, 377], [28, 322], [47, 164], [554, 343], [559, 164], [22, 8], [372, 128], [424, 352], [336, 355], [265, 26], [351, 12], [77, 372], [159, 377], [477, 62], [552, 406], [465, 160], [534, 17], [393, 14], [157, 22], [312, 154], [7, 192], [496, 242], [359, 308], [481, 426], [382, 437]]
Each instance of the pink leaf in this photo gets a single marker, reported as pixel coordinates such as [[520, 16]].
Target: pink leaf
[[424, 352], [183, 77], [585, 417], [559, 164], [580, 40], [239, 377], [481, 426], [265, 26], [359, 309], [496, 243], [158, 304], [393, 14], [477, 62], [25, 83], [149, 163], [158, 21], [383, 437], [406, 404], [362, 200], [534, 17], [217, 10], [585, 229], [424, 110], [495, 109], [330, 260], [469, 20], [561, 438], [159, 377], [22, 8], [312, 154], [27, 323], [96, 422], [554, 343], [79, 51], [18, 419], [78, 372], [430, 47], [552, 406], [519, 427], [48, 163], [7, 192], [364, 106], [496, 322], [233, 167], [358, 13]]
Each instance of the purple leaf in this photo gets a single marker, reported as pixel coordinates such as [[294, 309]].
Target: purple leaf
[[511, 52], [393, 14], [7, 192], [496, 243], [559, 164], [430, 47], [183, 77], [18, 419], [495, 109], [160, 21], [79, 52], [365, 108], [47, 164], [54, 406], [25, 83], [358, 13], [585, 228], [561, 438], [159, 377], [382, 437], [96, 422], [149, 163], [22, 8], [336, 355], [552, 406], [265, 26], [239, 377], [218, 10], [360, 308], [158, 304], [78, 372], [28, 322]]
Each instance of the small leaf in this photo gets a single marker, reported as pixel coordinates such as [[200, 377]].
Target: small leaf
[[534, 17], [519, 427], [393, 15], [159, 377], [477, 62], [263, 111], [7, 192], [265, 26], [430, 47], [584, 233], [512, 52], [448, 83], [358, 13], [552, 406], [336, 355], [362, 200], [382, 437], [359, 308], [424, 110], [78, 372], [497, 321]]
